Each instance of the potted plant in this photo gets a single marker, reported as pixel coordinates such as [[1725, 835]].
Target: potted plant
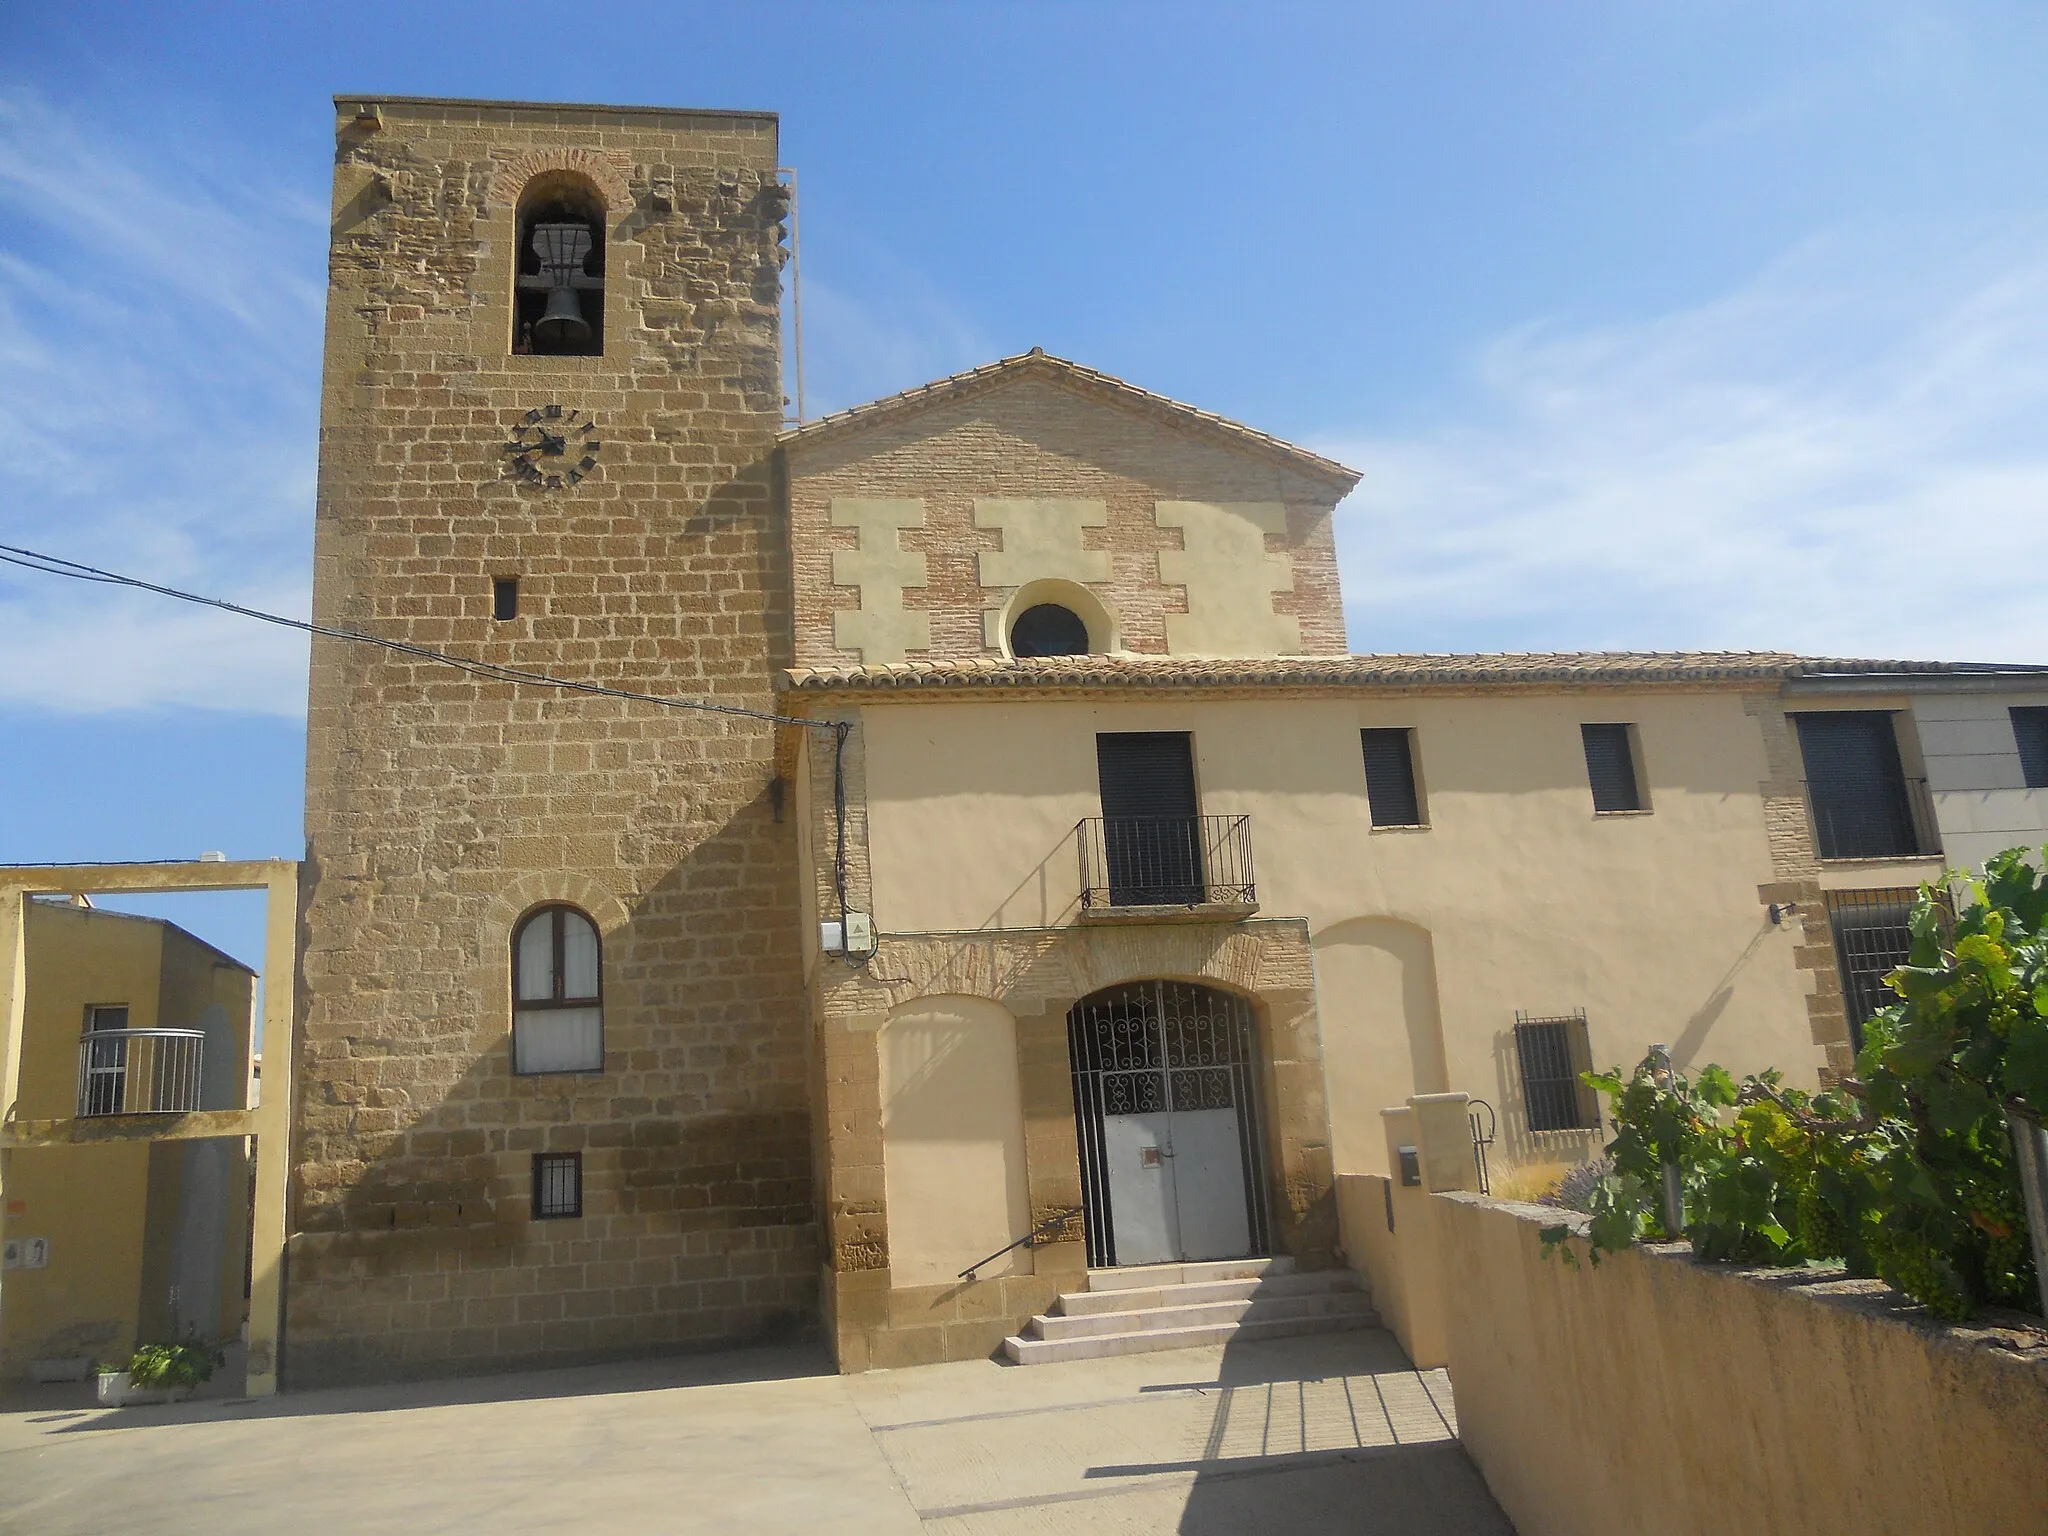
[[157, 1373]]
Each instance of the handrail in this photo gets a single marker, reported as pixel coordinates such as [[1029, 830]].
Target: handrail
[[1029, 1239]]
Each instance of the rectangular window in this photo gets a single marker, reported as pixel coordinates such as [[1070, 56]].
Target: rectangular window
[[557, 1185], [1611, 767], [1856, 785], [1151, 822], [1871, 941], [104, 1089], [1390, 778], [504, 597], [1552, 1053], [2030, 730]]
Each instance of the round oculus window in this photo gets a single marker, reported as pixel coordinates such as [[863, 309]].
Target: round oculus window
[[1048, 630]]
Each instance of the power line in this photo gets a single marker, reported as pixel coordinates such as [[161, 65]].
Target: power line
[[53, 565]]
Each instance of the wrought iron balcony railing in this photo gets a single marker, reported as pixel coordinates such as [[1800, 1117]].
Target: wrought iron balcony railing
[[139, 1071], [1166, 861], [1873, 822]]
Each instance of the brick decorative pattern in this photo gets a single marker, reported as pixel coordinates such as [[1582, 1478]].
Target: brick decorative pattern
[[1032, 436], [441, 807]]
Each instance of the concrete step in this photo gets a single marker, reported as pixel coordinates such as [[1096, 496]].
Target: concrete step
[[1312, 1283], [1032, 1351], [1144, 1276], [1259, 1309]]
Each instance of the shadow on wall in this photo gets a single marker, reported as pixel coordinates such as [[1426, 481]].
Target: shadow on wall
[[952, 1138], [415, 1250], [1383, 1036]]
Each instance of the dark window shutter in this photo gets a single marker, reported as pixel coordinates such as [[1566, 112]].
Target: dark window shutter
[[1856, 784], [1390, 778], [1151, 827], [2030, 730], [1146, 773], [1611, 768]]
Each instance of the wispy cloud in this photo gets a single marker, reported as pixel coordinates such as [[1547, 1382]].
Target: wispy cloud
[[1841, 457], [160, 315]]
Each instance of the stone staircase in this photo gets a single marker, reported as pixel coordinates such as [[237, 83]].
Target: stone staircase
[[1178, 1306]]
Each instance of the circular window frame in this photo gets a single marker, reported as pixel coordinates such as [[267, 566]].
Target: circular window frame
[[1096, 616]]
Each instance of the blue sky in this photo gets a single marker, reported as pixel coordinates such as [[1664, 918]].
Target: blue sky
[[1653, 325]]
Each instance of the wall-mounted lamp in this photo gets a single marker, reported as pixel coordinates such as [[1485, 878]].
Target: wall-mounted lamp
[[1779, 911]]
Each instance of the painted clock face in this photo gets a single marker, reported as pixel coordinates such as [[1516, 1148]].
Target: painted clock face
[[553, 447]]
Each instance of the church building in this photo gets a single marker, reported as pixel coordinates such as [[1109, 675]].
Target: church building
[[970, 863]]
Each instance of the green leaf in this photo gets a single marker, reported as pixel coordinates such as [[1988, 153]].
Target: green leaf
[[2026, 1061]]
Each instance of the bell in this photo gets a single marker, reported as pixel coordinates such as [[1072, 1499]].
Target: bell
[[562, 322]]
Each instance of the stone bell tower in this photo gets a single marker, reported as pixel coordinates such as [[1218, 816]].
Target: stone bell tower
[[551, 1028]]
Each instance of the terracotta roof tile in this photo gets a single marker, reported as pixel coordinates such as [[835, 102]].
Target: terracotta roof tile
[[1382, 671]]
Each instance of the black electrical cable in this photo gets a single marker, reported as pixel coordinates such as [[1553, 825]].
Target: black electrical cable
[[52, 565]]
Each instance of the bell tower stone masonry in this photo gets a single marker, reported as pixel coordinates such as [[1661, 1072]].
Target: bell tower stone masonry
[[551, 396]]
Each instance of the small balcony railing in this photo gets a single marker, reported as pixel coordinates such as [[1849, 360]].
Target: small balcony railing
[[1166, 861], [139, 1071], [1878, 823]]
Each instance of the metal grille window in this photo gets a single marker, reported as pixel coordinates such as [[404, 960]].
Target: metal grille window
[[1390, 777], [1872, 940], [105, 1089], [2030, 730], [557, 1185], [1552, 1053], [557, 993], [1611, 767]]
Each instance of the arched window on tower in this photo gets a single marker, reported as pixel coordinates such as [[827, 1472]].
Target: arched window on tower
[[1048, 629], [558, 298], [557, 993]]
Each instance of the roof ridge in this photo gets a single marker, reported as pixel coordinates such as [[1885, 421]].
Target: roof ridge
[[1070, 372]]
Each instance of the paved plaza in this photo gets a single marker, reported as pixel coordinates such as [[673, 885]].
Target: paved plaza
[[1329, 1433]]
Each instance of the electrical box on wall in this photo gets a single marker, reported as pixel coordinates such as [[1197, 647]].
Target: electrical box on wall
[[860, 934], [832, 938]]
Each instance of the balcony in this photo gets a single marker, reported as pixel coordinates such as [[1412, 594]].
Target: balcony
[[1873, 821], [139, 1072], [1166, 866]]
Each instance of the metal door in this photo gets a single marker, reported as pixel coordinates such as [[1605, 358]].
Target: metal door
[[1166, 1109]]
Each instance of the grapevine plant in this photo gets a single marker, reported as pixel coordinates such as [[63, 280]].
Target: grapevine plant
[[1906, 1171]]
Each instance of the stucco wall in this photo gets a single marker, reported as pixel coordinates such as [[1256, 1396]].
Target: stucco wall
[[1656, 1394], [125, 1223], [1973, 769], [952, 1139], [1516, 896]]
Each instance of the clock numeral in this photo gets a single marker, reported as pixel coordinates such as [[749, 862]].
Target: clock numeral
[[587, 465], [574, 477], [532, 416], [554, 412], [592, 445]]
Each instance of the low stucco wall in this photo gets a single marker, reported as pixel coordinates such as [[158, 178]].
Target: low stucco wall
[[1657, 1394]]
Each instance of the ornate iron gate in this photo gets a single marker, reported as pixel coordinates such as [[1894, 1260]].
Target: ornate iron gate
[[1172, 1046]]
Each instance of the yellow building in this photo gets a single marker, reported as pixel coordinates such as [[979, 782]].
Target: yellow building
[[127, 1019]]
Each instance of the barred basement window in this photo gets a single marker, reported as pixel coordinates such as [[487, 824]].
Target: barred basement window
[[557, 1185], [1552, 1053], [2030, 730], [1872, 939], [1611, 767], [557, 993], [1390, 778]]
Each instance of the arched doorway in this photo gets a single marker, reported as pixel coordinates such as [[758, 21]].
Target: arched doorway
[[1166, 1107]]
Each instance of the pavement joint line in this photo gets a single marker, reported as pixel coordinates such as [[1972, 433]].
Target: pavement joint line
[[1167, 1474], [1020, 1413]]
